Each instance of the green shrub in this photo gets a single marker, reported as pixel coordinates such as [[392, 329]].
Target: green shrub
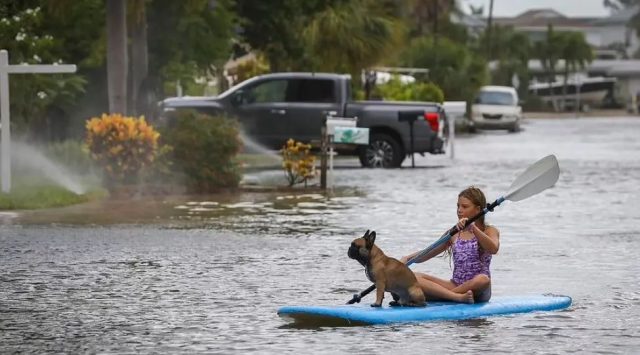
[[395, 90], [204, 148]]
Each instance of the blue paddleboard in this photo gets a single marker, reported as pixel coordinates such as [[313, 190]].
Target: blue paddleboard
[[362, 314]]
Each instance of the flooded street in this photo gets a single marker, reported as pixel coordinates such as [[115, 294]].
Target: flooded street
[[208, 274]]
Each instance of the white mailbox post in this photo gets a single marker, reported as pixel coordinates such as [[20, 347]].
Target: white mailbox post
[[5, 70], [343, 130]]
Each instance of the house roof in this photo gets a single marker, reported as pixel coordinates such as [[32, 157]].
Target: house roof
[[543, 18]]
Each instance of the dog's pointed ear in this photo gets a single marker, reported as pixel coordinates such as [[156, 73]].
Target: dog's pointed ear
[[370, 238], [366, 234]]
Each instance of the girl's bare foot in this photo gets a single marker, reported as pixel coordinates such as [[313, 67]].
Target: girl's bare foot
[[467, 297]]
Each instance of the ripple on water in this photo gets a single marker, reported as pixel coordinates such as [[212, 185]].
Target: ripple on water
[[185, 276]]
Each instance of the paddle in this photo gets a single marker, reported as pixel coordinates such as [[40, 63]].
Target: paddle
[[538, 177]]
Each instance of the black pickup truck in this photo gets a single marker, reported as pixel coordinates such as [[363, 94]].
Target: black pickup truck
[[274, 107]]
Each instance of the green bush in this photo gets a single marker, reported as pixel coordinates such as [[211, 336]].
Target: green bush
[[204, 148], [395, 90]]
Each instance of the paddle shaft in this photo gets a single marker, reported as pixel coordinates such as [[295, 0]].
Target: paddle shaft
[[445, 238]]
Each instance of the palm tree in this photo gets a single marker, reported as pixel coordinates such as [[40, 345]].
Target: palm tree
[[429, 13], [549, 52], [576, 53], [351, 36]]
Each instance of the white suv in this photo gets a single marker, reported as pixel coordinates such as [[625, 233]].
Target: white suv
[[496, 107]]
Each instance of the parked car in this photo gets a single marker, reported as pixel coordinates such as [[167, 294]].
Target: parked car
[[275, 107], [496, 107]]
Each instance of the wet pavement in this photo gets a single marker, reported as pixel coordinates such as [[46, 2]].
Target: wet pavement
[[207, 273]]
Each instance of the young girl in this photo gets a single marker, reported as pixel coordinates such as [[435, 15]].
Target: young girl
[[471, 248]]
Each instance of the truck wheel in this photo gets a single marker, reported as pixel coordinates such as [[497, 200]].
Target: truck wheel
[[383, 151]]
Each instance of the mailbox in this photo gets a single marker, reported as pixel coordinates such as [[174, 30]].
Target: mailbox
[[333, 122]]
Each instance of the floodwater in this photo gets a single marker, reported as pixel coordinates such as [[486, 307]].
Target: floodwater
[[208, 274]]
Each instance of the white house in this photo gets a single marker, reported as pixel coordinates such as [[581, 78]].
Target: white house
[[611, 37]]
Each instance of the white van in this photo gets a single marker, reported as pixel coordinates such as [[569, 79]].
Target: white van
[[496, 107]]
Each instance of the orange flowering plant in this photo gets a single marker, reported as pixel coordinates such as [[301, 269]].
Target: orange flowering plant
[[298, 163], [123, 146]]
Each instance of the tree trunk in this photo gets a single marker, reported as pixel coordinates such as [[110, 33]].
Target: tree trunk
[[117, 55], [139, 64]]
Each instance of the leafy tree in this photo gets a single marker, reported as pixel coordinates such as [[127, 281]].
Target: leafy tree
[[36, 99], [275, 28], [351, 36], [576, 53], [428, 15], [459, 73], [395, 90], [512, 51], [188, 39], [549, 51]]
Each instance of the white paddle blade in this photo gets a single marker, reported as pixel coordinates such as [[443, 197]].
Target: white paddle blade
[[537, 178]]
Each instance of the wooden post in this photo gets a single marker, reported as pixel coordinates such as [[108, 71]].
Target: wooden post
[[324, 143]]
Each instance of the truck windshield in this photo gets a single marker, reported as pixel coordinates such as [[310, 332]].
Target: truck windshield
[[495, 98]]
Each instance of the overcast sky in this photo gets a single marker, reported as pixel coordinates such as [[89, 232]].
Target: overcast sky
[[570, 8]]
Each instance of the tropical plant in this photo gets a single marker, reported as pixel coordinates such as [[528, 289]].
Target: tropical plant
[[35, 96], [204, 150], [395, 90], [298, 162], [576, 53], [455, 70], [549, 52], [512, 51], [274, 28], [351, 36], [429, 15], [122, 146]]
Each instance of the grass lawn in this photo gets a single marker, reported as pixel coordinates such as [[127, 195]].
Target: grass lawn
[[42, 194]]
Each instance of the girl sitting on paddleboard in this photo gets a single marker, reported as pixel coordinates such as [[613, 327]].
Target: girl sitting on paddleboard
[[471, 248]]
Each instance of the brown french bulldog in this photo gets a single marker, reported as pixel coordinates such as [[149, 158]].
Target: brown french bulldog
[[388, 274]]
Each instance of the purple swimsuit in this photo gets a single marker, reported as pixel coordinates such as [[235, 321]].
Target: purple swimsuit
[[468, 261]]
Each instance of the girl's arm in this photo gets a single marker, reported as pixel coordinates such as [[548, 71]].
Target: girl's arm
[[429, 255], [489, 239]]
